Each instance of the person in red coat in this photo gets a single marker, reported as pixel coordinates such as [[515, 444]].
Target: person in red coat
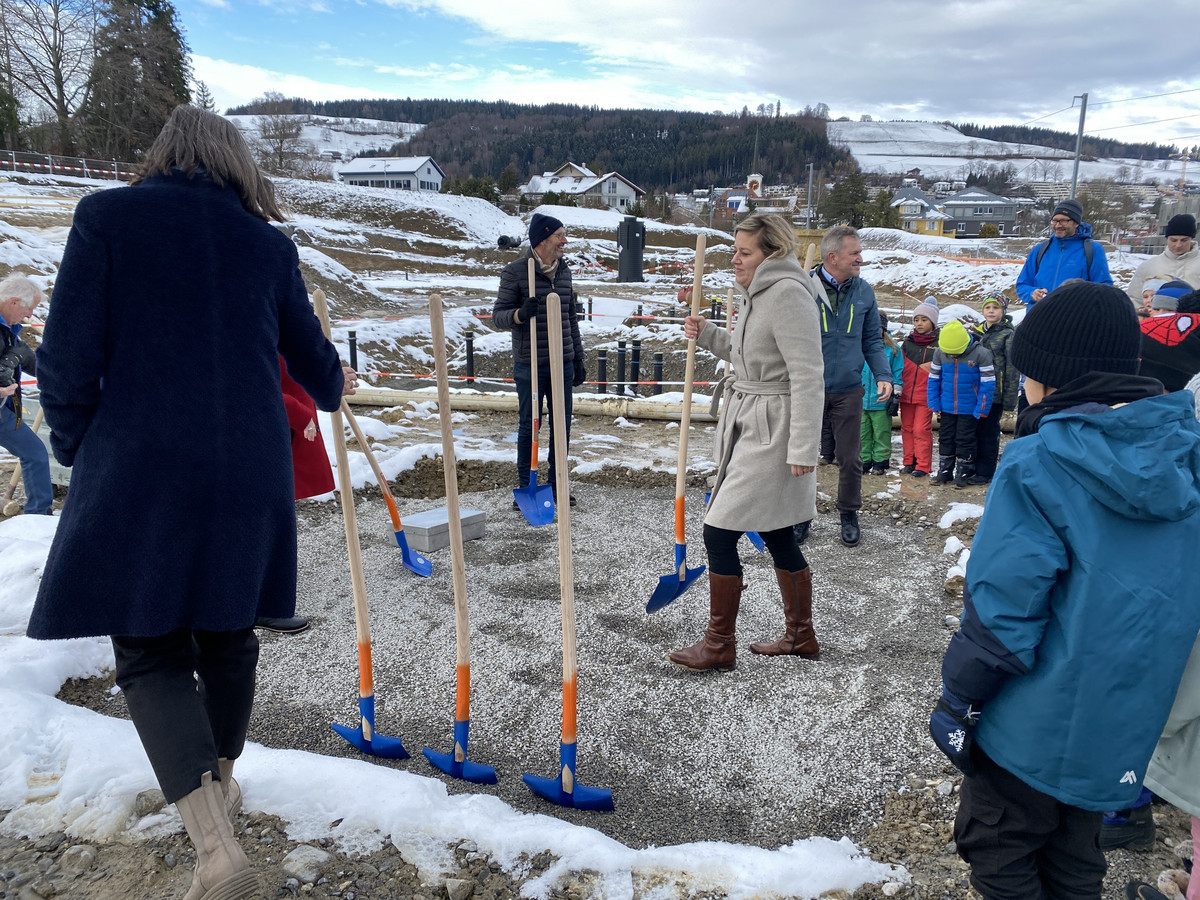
[[311, 472]]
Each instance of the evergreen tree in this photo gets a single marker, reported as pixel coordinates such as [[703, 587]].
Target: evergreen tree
[[139, 75], [203, 97], [10, 122], [881, 213], [847, 202], [509, 179]]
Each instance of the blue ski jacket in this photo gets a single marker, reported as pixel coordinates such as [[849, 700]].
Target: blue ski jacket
[[845, 345], [1081, 611], [1063, 260], [964, 385]]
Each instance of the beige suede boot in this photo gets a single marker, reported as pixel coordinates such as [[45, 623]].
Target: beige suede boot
[[222, 870], [230, 788]]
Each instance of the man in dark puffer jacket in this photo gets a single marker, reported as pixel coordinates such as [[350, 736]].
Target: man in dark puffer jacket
[[515, 307]]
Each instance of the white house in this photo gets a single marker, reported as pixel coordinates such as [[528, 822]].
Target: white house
[[612, 190], [408, 173]]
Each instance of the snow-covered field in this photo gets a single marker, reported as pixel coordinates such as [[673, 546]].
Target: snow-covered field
[[941, 151], [346, 136]]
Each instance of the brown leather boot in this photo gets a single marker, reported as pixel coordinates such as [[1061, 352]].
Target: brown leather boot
[[798, 639], [718, 648]]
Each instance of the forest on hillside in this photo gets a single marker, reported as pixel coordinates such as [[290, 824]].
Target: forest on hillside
[[655, 149], [1063, 140]]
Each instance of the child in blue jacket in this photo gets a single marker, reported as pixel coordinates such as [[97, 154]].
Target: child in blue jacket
[[877, 414], [962, 382], [1060, 680]]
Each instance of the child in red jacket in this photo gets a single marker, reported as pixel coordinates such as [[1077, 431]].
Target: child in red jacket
[[916, 418]]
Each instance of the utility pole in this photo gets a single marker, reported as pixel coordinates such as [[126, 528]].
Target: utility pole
[[808, 208], [1078, 139]]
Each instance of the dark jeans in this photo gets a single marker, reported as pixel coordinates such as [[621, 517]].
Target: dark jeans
[[956, 437], [844, 412], [524, 379], [27, 447], [987, 440], [721, 545], [189, 695], [1023, 844], [826, 436]]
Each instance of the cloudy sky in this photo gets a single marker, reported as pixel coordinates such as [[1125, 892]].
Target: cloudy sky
[[985, 61]]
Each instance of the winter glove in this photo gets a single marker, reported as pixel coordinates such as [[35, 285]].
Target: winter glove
[[530, 308], [580, 374], [893, 404], [952, 726]]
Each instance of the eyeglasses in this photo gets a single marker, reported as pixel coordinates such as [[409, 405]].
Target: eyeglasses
[[1059, 220]]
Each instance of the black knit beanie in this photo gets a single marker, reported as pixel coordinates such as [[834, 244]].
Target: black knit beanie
[[541, 227], [1181, 225], [1071, 208], [1078, 328]]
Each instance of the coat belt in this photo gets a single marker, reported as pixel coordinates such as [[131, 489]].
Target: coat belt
[[751, 388]]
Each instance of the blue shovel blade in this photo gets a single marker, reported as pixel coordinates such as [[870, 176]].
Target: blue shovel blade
[[464, 769], [579, 797], [377, 745], [536, 503], [412, 560], [759, 544], [673, 585]]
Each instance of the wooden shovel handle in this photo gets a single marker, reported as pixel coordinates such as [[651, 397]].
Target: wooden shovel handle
[[358, 582], [533, 369], [809, 256], [374, 463], [685, 419], [462, 631], [566, 569]]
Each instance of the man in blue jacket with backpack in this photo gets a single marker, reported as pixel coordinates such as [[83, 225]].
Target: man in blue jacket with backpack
[[1070, 253]]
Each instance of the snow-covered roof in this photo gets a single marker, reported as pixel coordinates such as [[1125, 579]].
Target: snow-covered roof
[[392, 165], [977, 195], [571, 184]]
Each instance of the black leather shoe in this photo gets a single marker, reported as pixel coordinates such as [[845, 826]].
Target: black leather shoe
[[850, 533], [801, 532], [294, 625]]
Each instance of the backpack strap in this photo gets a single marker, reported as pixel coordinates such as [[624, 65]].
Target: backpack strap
[[1087, 257]]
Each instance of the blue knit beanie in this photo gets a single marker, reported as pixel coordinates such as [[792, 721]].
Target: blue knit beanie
[[541, 227]]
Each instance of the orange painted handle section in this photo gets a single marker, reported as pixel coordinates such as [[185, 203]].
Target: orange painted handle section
[[462, 694], [533, 461], [570, 698], [679, 533], [366, 681], [392, 511]]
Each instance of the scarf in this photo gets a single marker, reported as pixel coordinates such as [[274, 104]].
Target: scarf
[[1091, 389], [924, 339]]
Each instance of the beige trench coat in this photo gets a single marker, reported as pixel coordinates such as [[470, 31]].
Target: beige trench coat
[[771, 418]]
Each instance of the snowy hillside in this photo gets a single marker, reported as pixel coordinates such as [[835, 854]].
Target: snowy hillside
[[941, 151], [334, 134]]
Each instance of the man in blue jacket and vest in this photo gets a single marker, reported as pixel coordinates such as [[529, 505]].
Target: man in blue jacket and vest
[[850, 336], [1070, 253]]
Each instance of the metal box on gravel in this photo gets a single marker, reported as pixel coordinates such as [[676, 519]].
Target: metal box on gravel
[[430, 530]]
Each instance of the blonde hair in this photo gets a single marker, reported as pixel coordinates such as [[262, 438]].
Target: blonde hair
[[775, 236], [195, 140]]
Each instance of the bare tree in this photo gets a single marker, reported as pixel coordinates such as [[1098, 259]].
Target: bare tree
[[278, 143], [48, 46]]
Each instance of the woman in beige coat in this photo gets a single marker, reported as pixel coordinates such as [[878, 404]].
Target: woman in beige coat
[[767, 439]]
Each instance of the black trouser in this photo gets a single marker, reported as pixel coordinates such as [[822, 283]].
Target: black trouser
[[189, 695], [987, 441], [956, 437], [1023, 844], [844, 412], [826, 436], [721, 544]]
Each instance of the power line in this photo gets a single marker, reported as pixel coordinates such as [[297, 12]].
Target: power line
[[1137, 124], [1147, 97], [1047, 116]]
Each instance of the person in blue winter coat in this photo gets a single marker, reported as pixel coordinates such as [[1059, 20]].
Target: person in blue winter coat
[[1070, 253], [962, 383], [1060, 679]]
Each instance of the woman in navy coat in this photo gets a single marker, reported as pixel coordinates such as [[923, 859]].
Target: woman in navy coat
[[160, 380]]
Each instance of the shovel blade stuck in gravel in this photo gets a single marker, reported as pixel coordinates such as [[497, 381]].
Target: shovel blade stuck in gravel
[[673, 585], [413, 561], [535, 501], [564, 790], [456, 764], [365, 738]]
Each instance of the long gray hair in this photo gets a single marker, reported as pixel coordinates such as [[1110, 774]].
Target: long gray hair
[[197, 140]]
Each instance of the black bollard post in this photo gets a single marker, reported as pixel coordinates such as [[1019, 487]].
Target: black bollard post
[[658, 367], [470, 357], [621, 367], [712, 308], [635, 365], [354, 350], [602, 371], [589, 316]]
